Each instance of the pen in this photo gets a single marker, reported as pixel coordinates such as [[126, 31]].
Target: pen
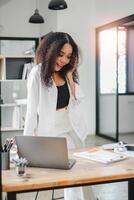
[[8, 144]]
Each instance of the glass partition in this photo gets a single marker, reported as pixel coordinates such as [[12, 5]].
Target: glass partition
[[107, 81], [115, 80]]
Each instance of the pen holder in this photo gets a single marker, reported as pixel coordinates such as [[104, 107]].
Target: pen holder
[[5, 160]]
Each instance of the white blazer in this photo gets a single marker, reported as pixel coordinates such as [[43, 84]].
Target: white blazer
[[41, 108]]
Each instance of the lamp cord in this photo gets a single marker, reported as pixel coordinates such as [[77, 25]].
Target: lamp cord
[[36, 6]]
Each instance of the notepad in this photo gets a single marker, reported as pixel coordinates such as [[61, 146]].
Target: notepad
[[101, 156]]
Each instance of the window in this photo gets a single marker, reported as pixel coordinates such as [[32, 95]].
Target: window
[[113, 60]]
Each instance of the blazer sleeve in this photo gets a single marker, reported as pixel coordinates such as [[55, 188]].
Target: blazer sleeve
[[32, 102], [78, 94], [76, 114]]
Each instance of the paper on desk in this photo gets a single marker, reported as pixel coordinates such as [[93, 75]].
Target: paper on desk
[[101, 156], [110, 146], [125, 153]]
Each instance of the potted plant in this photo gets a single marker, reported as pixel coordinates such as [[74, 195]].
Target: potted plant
[[21, 164]]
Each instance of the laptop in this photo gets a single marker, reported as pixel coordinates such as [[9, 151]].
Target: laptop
[[48, 152]]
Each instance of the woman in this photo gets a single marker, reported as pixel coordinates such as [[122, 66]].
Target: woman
[[54, 96]]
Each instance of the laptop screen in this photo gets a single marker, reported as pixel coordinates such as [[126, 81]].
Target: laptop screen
[[50, 152]]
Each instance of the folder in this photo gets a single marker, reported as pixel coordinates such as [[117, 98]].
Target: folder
[[102, 156]]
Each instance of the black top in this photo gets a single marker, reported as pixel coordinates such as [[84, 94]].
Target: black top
[[63, 96]]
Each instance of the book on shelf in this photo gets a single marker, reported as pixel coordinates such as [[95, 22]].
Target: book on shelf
[[16, 118], [21, 101]]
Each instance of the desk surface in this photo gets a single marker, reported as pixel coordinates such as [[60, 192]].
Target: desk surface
[[83, 172]]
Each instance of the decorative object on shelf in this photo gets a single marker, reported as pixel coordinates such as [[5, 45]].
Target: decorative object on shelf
[[16, 112], [15, 95], [57, 5], [16, 119], [20, 165], [36, 18], [30, 51], [23, 122]]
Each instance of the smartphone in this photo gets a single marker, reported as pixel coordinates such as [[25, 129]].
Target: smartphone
[[130, 147]]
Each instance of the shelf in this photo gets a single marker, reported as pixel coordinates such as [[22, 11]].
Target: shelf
[[12, 80], [2, 67], [12, 68], [8, 105], [16, 61], [4, 129], [1, 57], [12, 104], [25, 56]]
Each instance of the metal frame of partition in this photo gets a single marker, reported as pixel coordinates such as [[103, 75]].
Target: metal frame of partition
[[98, 94], [116, 23], [0, 151]]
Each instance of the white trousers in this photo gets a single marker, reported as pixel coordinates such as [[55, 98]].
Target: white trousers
[[63, 129]]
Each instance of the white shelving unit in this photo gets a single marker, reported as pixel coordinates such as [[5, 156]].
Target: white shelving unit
[[12, 88], [2, 67], [13, 110], [14, 122], [7, 129], [12, 68], [14, 59]]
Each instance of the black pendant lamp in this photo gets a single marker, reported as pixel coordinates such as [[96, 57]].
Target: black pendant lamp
[[36, 18], [57, 5]]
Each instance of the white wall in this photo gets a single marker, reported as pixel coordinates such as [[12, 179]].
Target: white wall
[[126, 113], [50, 18], [110, 10], [14, 16], [78, 21]]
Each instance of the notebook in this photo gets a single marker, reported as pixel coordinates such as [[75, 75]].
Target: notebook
[[102, 156], [48, 152]]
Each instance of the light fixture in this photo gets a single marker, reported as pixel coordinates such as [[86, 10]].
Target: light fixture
[[36, 18], [57, 5]]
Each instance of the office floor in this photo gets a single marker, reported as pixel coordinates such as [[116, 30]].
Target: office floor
[[126, 137], [111, 191]]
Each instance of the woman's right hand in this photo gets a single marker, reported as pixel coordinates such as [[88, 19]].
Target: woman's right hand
[[69, 76]]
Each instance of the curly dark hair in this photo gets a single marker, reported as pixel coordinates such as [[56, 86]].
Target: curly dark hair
[[47, 52]]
